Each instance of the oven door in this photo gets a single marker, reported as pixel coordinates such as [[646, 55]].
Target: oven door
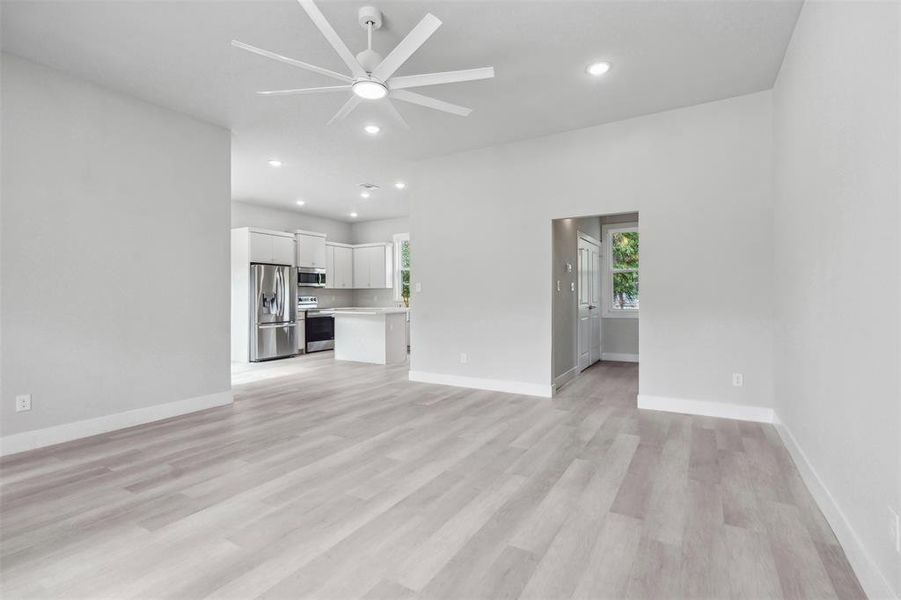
[[310, 277], [320, 332]]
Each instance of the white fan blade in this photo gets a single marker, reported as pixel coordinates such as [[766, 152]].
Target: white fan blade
[[345, 110], [408, 81], [394, 113], [414, 98], [315, 90], [332, 37], [407, 46], [291, 61]]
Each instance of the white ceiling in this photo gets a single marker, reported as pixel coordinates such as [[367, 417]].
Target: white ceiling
[[665, 54]]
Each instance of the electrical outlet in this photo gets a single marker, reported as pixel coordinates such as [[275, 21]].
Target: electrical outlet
[[464, 358], [417, 286], [738, 380], [23, 402], [895, 529]]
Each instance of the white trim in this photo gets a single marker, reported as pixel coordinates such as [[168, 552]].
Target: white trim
[[873, 581], [619, 356], [49, 436], [495, 385], [565, 378], [706, 408], [310, 233]]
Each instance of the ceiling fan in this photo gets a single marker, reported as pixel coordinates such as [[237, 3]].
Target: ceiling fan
[[372, 77]]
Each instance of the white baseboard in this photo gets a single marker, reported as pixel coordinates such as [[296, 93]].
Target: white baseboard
[[565, 378], [49, 436], [479, 383], [706, 408], [873, 581], [620, 357]]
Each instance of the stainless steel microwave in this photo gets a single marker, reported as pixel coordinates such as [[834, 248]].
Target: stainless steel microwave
[[310, 277]]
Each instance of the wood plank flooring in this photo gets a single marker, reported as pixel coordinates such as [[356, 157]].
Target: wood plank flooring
[[337, 480]]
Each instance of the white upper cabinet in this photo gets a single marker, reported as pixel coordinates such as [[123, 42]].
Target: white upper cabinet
[[330, 279], [311, 250], [372, 268], [283, 250], [343, 268], [274, 249]]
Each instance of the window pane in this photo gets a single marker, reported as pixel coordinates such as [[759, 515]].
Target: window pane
[[625, 250], [405, 255], [625, 291], [405, 284]]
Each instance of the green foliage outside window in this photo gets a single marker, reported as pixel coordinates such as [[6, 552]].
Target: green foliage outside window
[[405, 271], [624, 250]]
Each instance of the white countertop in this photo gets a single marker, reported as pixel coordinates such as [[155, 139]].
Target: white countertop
[[370, 311]]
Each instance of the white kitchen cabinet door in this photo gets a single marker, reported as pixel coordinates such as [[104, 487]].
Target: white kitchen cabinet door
[[311, 250], [331, 273], [282, 250], [378, 266], [261, 248], [343, 267], [361, 272]]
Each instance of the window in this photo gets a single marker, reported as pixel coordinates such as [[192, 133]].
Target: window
[[622, 268], [402, 268]]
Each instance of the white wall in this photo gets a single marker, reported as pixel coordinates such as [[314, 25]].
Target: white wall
[[244, 214], [836, 141], [371, 232], [115, 253], [485, 217]]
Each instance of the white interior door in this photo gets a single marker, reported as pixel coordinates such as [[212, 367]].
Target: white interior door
[[589, 329]]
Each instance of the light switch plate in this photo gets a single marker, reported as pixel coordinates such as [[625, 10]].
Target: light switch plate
[[418, 286]]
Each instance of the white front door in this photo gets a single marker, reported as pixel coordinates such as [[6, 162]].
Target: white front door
[[589, 331]]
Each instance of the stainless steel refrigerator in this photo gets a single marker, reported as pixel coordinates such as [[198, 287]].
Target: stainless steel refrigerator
[[273, 311]]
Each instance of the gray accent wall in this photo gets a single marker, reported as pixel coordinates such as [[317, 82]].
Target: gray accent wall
[[115, 252]]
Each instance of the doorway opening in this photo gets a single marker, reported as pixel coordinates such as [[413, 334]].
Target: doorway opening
[[595, 283]]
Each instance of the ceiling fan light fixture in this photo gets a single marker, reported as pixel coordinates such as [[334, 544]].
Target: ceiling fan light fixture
[[369, 89], [597, 69]]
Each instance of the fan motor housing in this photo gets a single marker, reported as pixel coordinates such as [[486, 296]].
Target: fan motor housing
[[370, 14]]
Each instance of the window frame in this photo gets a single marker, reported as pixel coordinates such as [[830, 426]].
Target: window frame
[[399, 238], [611, 312]]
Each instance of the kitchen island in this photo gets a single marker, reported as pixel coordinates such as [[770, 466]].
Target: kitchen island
[[372, 335]]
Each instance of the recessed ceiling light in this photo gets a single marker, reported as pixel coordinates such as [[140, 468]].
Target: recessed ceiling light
[[372, 129], [300, 203], [275, 163], [353, 215], [599, 68], [364, 194], [369, 89], [400, 185]]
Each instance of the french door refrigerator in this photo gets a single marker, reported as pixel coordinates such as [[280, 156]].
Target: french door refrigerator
[[273, 308]]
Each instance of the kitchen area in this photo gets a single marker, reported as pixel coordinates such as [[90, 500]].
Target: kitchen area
[[296, 294]]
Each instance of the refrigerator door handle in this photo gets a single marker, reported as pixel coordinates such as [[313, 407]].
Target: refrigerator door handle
[[276, 325]]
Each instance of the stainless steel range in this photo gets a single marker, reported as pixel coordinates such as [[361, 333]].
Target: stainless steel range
[[319, 324]]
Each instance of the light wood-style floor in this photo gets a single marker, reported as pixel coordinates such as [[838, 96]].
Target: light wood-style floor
[[329, 480]]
